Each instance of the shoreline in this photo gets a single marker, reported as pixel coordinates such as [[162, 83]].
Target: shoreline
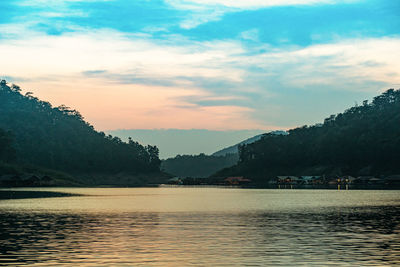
[[20, 194]]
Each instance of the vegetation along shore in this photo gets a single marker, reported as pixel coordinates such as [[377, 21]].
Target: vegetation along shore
[[42, 145]]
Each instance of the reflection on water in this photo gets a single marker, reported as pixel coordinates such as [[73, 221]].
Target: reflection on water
[[309, 235]]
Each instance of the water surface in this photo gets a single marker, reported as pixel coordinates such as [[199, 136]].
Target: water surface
[[202, 226]]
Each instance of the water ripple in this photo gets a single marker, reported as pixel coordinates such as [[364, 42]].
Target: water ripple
[[323, 236]]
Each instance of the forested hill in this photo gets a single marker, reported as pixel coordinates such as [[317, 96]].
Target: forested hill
[[363, 140], [198, 166], [235, 148], [201, 166], [59, 138], [7, 152]]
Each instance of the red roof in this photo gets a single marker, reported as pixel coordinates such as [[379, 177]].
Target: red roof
[[237, 179]]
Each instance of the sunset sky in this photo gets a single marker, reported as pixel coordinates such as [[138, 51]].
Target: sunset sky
[[201, 64]]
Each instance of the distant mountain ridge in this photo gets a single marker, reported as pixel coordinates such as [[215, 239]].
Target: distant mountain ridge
[[235, 148], [173, 142], [202, 166], [198, 166]]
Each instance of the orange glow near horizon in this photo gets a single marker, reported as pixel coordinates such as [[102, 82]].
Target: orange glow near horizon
[[109, 106], [120, 81]]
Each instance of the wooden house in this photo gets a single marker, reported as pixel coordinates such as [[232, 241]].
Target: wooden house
[[288, 179], [239, 180]]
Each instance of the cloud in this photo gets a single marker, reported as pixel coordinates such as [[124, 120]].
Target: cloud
[[251, 35], [122, 54], [212, 100], [54, 3], [328, 64], [198, 17], [44, 9], [220, 84], [119, 80], [247, 4], [204, 11]]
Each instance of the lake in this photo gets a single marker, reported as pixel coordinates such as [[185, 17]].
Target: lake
[[202, 226]]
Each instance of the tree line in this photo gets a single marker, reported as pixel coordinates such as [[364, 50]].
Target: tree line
[[363, 140], [198, 166], [34, 132]]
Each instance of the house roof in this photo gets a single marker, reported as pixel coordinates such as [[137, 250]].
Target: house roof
[[175, 179], [238, 179]]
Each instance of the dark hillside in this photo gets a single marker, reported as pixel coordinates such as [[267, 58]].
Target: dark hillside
[[7, 152], [235, 148], [198, 166], [363, 140], [59, 138], [201, 166]]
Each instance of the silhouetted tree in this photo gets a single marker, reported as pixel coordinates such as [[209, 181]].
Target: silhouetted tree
[[59, 138], [363, 139]]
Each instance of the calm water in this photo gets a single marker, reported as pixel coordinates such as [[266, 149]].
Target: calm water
[[202, 226]]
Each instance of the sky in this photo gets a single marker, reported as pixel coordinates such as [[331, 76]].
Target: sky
[[201, 64], [172, 142]]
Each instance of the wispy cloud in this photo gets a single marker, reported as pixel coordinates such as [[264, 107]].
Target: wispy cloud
[[199, 16], [54, 3], [160, 69], [225, 78], [203, 11], [252, 35], [119, 53], [357, 60], [250, 3]]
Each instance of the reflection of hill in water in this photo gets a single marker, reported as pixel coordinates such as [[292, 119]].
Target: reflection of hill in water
[[11, 194]]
